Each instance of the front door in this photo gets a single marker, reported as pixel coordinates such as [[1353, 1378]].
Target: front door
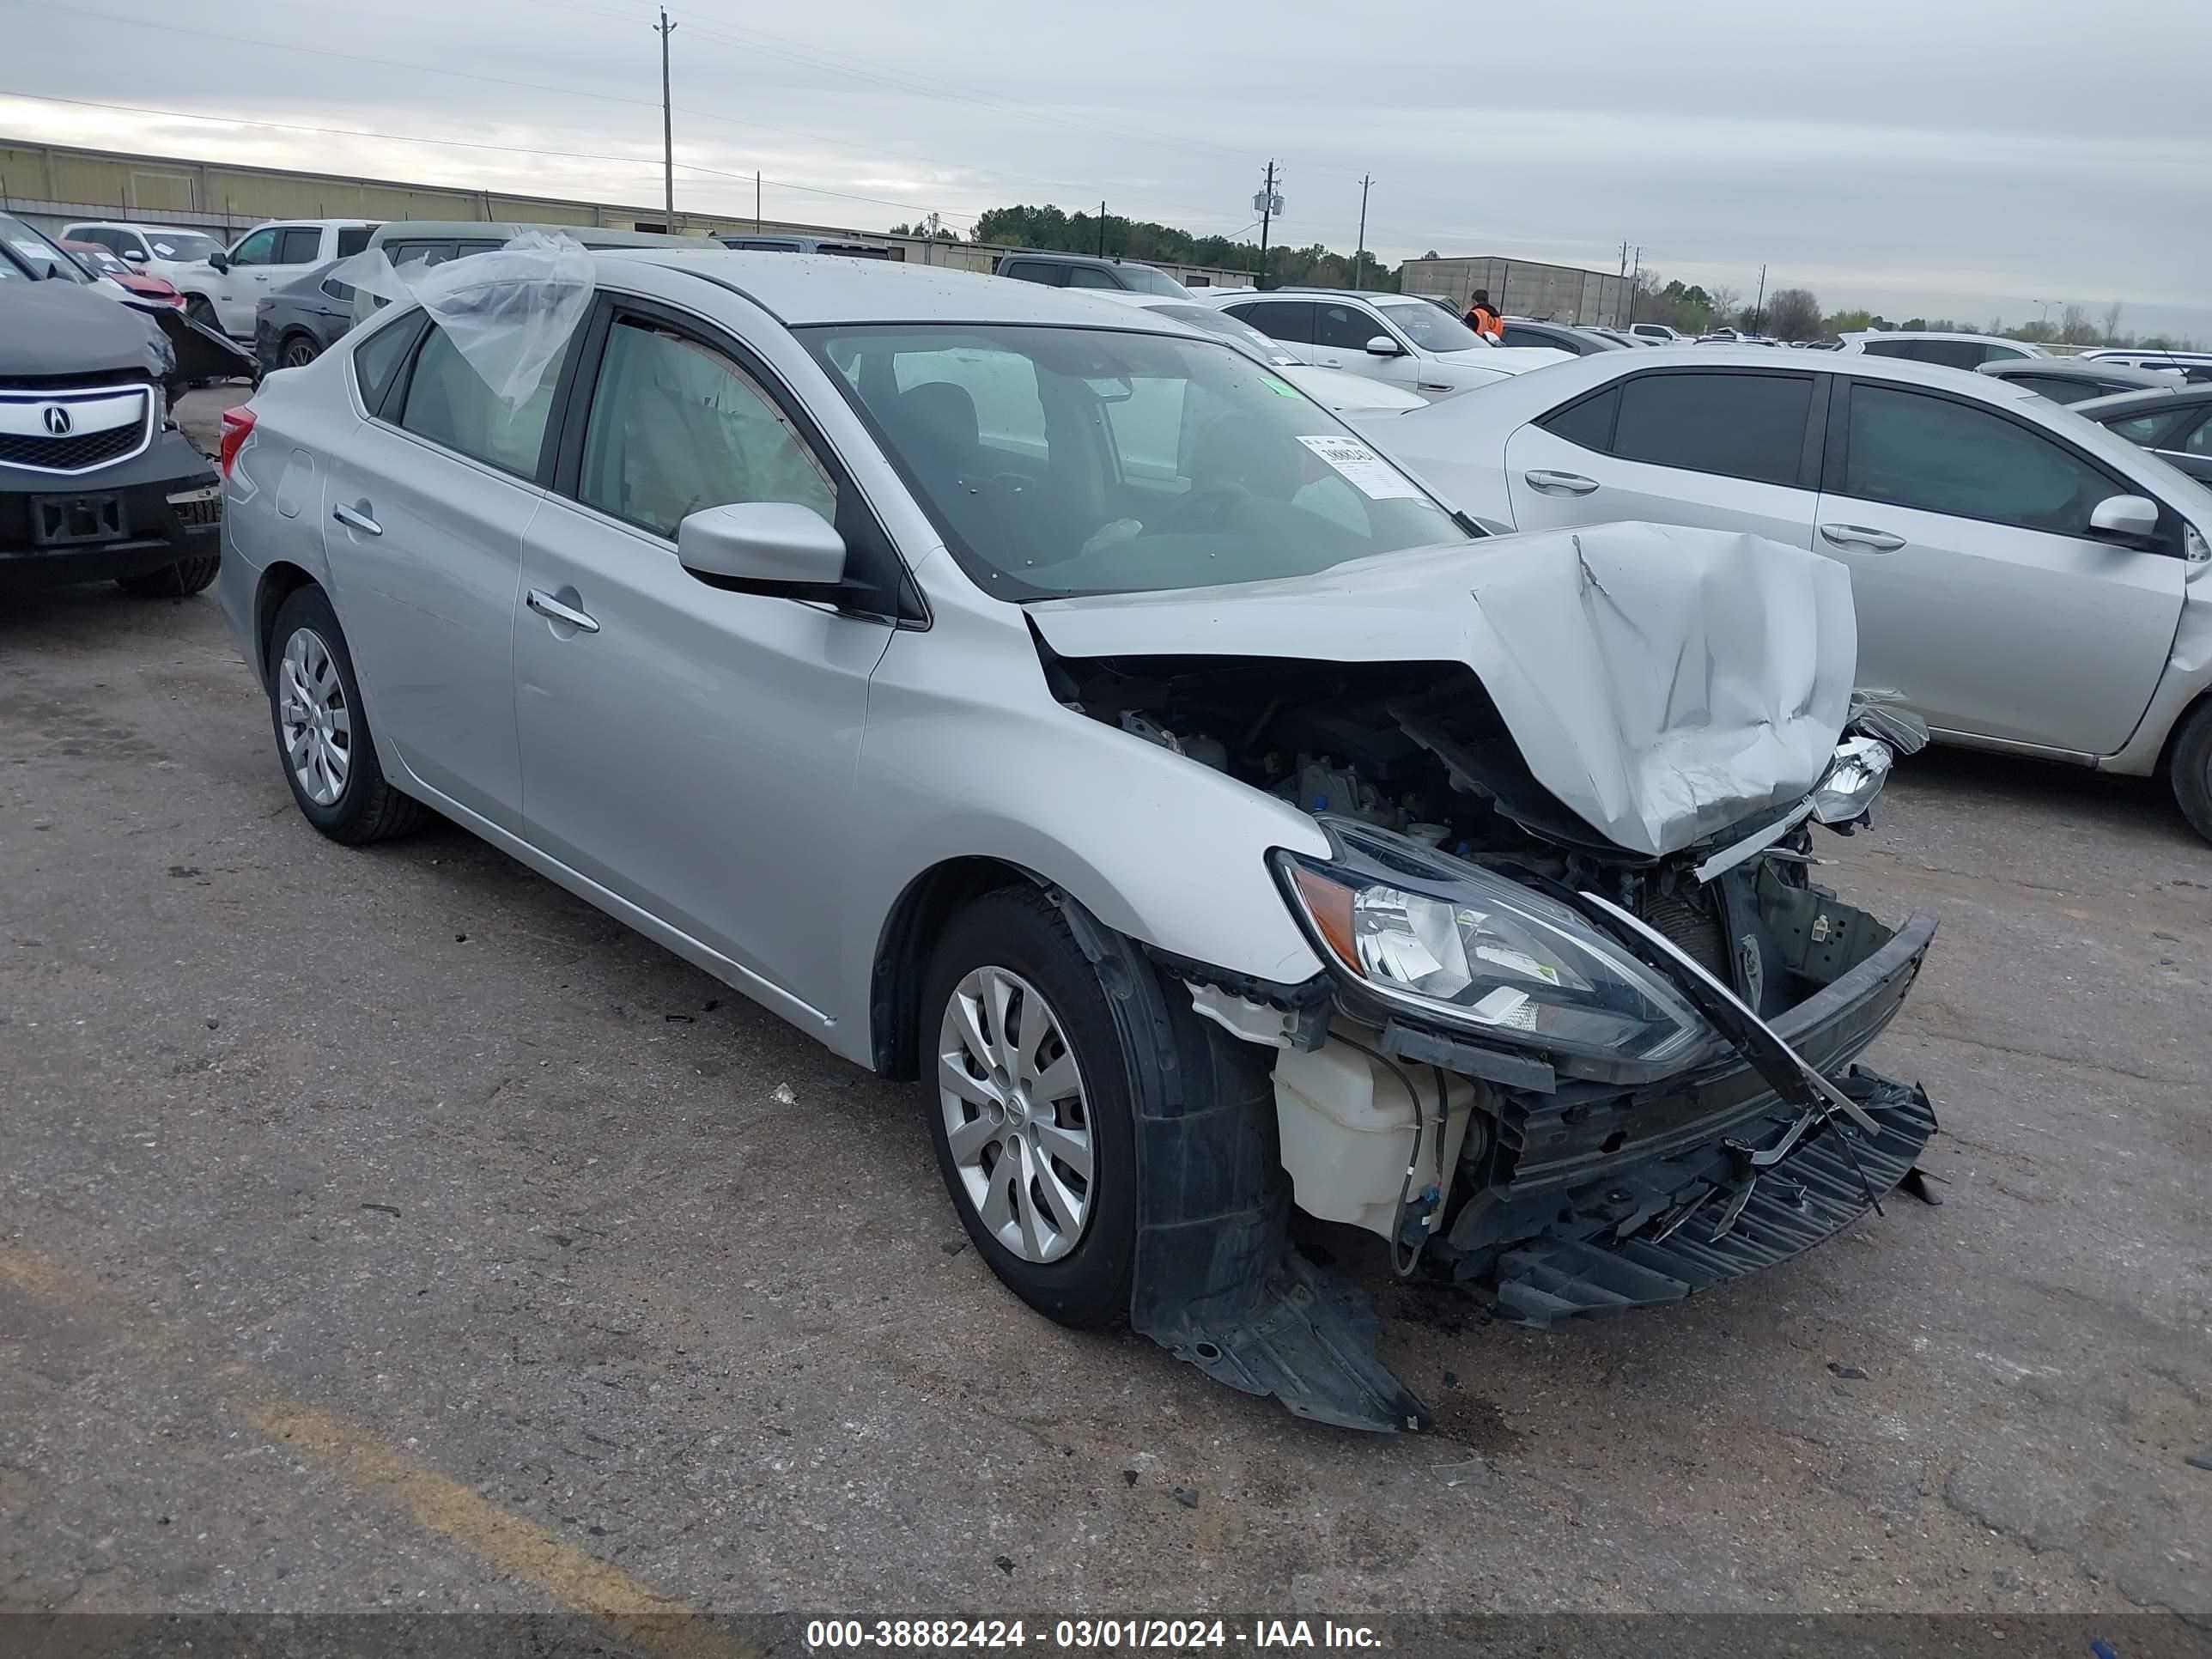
[[1714, 449], [424, 513], [1982, 598], [689, 748]]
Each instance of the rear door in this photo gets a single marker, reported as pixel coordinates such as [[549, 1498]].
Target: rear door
[[2189, 446], [427, 505], [1721, 449], [1982, 598]]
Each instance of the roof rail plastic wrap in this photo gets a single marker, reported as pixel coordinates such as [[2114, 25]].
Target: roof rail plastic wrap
[[508, 313]]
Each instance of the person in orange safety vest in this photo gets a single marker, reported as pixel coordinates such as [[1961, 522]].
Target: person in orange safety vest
[[1484, 318]]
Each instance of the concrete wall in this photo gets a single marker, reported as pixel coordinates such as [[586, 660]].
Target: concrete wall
[[54, 184], [1524, 288]]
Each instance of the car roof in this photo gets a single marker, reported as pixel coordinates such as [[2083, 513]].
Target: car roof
[[2030, 346], [500, 230], [140, 225], [2094, 368], [800, 289], [2151, 401]]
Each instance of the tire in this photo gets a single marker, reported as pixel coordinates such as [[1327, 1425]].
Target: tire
[[201, 310], [2189, 768], [308, 650], [173, 581], [1017, 934], [297, 351]]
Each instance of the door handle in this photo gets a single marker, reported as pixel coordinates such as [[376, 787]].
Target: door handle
[[1855, 535], [553, 610], [1561, 483], [356, 518]]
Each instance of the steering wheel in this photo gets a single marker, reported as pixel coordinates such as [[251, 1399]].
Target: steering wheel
[[1208, 504]]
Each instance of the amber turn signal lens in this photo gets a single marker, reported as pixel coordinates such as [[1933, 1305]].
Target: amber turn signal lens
[[1330, 904]]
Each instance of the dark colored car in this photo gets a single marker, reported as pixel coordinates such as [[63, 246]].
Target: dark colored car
[[1557, 336], [1081, 270], [2175, 425], [807, 244], [302, 320], [96, 481]]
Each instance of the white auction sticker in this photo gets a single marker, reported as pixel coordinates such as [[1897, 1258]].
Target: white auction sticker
[[1363, 468]]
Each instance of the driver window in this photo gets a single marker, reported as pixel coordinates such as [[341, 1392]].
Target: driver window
[[676, 425], [1346, 327], [1916, 451], [255, 249]]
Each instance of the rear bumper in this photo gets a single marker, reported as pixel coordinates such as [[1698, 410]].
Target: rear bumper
[[154, 530]]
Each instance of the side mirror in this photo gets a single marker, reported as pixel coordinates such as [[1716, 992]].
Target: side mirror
[[764, 547], [137, 255], [2129, 519], [219, 260], [1383, 346]]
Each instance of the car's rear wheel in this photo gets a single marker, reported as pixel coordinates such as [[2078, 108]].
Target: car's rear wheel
[[298, 351], [323, 737], [1030, 1107], [173, 581], [2189, 768]]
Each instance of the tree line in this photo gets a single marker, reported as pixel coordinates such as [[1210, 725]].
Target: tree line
[[1788, 314]]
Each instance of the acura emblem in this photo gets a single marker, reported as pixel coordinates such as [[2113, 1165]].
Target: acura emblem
[[57, 420]]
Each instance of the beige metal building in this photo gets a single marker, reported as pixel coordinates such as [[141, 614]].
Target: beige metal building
[[54, 184], [1522, 287]]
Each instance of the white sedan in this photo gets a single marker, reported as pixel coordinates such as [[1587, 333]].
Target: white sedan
[[1334, 389], [1400, 339], [2024, 580]]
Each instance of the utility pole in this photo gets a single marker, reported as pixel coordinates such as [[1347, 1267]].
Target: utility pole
[[1102, 230], [1624, 256], [664, 29], [1634, 275], [1267, 205], [756, 223], [1359, 258], [1759, 306]]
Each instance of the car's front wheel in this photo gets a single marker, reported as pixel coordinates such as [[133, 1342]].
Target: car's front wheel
[[1030, 1107], [2189, 768], [323, 737], [299, 350]]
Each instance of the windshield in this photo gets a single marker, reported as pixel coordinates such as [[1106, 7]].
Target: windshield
[[1143, 279], [1240, 334], [1058, 461], [1431, 327], [182, 245], [39, 258]]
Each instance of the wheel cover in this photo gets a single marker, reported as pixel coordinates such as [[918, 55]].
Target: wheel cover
[[314, 718], [1016, 1116]]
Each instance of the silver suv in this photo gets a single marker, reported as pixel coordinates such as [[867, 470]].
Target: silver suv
[[1029, 696]]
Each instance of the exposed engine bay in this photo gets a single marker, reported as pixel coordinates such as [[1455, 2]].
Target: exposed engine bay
[[1508, 1140]]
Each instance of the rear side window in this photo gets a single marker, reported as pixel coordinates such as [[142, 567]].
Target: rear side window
[[302, 245], [1589, 422], [1282, 320], [1912, 450], [2060, 388], [449, 404], [1958, 354], [1742, 426], [353, 239], [376, 362], [2139, 430], [1090, 276], [1032, 270], [1890, 347]]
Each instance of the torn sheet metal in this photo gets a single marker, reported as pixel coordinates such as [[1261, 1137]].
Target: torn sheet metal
[[202, 354], [508, 313], [1664, 682]]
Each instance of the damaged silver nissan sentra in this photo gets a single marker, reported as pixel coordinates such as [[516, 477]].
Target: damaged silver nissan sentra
[[1026, 695]]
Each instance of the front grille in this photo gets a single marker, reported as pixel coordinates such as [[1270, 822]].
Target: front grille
[[74, 453]]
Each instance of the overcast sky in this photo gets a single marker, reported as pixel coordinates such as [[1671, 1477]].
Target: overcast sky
[[1968, 158]]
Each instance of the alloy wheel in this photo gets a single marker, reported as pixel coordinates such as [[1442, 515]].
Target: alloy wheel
[[300, 354], [315, 718], [1015, 1117]]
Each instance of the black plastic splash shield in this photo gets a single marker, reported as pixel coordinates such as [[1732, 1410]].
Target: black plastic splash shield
[[1810, 1195]]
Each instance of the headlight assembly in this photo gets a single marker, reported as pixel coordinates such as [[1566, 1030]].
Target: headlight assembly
[[1466, 947], [1848, 790]]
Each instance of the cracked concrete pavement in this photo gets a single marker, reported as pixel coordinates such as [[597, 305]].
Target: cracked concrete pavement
[[387, 1228]]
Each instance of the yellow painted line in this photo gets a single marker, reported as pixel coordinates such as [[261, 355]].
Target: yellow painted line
[[659, 1623]]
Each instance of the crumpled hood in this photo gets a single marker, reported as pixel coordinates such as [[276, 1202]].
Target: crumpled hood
[[1664, 682], [61, 328]]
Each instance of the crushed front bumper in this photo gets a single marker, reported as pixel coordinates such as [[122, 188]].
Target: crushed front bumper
[[128, 519]]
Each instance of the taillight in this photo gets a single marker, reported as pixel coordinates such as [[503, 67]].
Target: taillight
[[237, 428]]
